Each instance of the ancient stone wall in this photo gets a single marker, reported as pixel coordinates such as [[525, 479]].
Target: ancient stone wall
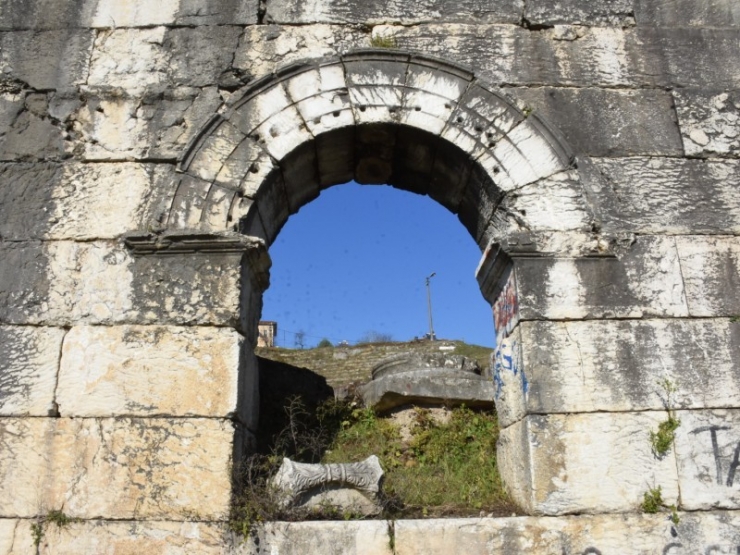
[[150, 152]]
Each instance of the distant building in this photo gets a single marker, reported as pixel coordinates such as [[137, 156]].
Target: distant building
[[266, 333]]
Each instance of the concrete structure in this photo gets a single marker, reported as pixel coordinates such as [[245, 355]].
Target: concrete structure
[[151, 152]]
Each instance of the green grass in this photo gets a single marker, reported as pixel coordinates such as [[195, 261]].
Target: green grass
[[443, 469]]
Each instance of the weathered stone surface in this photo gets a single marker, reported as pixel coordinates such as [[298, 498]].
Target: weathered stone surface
[[612, 13], [715, 532], [356, 537], [711, 272], [264, 48], [682, 13], [160, 57], [645, 280], [29, 362], [100, 282], [387, 11], [707, 446], [80, 201], [148, 371], [46, 59], [608, 122], [618, 365], [16, 537], [157, 126], [135, 536], [116, 468], [26, 132], [573, 463], [709, 121], [350, 488], [582, 56], [663, 195], [140, 13]]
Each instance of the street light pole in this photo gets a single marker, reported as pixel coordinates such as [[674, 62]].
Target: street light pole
[[429, 304]]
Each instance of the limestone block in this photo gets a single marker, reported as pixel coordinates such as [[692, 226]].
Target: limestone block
[[715, 532], [135, 59], [683, 13], [707, 446], [16, 537], [356, 537], [711, 271], [610, 13], [594, 463], [148, 371], [140, 13], [46, 60], [26, 132], [29, 361], [619, 365], [80, 201], [346, 11], [264, 48], [709, 121], [116, 468], [158, 127], [556, 203], [510, 380], [128, 537], [663, 195], [645, 280], [100, 282], [45, 14], [608, 122], [581, 56]]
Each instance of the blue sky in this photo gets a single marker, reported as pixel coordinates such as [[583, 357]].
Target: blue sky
[[355, 260]]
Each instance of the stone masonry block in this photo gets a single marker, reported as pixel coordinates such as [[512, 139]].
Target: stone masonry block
[[709, 121], [645, 280], [711, 271], [687, 13], [140, 13], [611, 13], [663, 195], [582, 56], [619, 365], [707, 446], [582, 535], [359, 537], [29, 362], [100, 282], [608, 122], [264, 48], [149, 371], [16, 537], [584, 463], [92, 468], [135, 536], [382, 11], [47, 59]]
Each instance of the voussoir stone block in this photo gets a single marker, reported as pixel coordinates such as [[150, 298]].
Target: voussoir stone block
[[29, 362], [573, 463], [149, 370], [126, 468], [707, 446], [711, 271]]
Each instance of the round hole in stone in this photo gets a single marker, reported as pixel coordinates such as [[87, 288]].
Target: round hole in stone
[[478, 128], [459, 119], [492, 144], [496, 169], [316, 121], [254, 168], [417, 109], [336, 114], [363, 108]]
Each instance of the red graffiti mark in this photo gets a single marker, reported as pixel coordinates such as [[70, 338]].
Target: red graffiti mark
[[506, 309]]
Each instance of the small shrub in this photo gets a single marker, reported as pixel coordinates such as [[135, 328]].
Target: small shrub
[[652, 501], [663, 439], [324, 343]]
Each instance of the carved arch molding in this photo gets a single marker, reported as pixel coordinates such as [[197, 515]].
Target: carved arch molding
[[373, 116]]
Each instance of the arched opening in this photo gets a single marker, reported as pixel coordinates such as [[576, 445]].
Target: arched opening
[[384, 117]]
